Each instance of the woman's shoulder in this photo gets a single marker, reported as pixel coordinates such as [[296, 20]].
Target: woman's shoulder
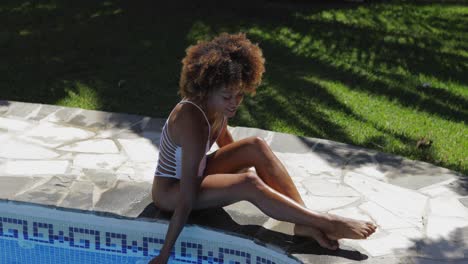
[[187, 121]]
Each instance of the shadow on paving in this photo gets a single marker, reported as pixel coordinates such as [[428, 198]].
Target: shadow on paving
[[453, 249], [219, 219]]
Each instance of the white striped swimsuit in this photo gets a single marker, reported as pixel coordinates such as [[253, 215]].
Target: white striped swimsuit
[[170, 155]]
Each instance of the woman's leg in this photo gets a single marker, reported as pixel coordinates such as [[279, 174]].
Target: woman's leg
[[219, 190], [255, 152]]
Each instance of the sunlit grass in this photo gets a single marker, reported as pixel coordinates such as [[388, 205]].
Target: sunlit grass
[[80, 95], [380, 75]]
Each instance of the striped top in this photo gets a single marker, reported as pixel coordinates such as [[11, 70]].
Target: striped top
[[170, 155]]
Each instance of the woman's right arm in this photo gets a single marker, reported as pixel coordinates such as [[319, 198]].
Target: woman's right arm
[[193, 149]]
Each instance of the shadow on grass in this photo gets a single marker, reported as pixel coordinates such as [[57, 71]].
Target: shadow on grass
[[125, 56]]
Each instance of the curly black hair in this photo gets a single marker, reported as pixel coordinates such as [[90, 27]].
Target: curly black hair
[[228, 60]]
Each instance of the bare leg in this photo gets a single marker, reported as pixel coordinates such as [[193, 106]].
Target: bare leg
[[255, 152], [219, 190]]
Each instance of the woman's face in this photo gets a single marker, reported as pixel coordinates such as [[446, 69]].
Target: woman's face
[[226, 101]]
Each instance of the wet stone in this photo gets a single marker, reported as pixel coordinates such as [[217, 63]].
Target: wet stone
[[123, 197], [103, 179], [10, 186], [50, 193], [80, 196]]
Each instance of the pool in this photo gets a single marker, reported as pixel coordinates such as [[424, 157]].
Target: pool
[[41, 234]]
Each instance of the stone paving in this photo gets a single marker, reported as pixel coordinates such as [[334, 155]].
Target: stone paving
[[99, 161]]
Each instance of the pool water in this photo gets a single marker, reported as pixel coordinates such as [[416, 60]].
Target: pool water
[[43, 235]]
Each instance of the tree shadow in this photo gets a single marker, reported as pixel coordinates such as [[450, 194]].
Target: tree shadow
[[220, 220], [128, 54], [451, 249]]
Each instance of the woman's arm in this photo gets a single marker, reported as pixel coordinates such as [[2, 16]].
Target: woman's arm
[[225, 138], [193, 149]]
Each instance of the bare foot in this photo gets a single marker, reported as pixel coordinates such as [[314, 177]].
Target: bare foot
[[342, 227], [319, 236]]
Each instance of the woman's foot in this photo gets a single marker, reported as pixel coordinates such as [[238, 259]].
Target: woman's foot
[[317, 235], [342, 227]]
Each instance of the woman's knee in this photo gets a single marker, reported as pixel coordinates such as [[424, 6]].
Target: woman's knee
[[253, 182], [259, 145]]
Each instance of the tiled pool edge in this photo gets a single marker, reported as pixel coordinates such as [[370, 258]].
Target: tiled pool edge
[[137, 240]]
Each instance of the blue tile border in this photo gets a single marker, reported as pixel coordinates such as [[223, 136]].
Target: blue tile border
[[83, 236]]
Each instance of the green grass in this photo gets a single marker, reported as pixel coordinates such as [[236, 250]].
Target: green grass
[[377, 75]]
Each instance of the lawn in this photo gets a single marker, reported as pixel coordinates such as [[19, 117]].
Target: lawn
[[378, 75]]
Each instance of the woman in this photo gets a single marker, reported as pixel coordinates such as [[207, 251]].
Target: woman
[[215, 76]]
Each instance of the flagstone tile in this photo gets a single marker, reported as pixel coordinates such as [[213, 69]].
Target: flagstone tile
[[99, 161], [102, 179], [389, 244], [447, 207], [306, 165], [445, 188], [446, 239], [352, 212], [44, 111], [141, 150], [15, 149], [444, 227], [321, 187], [383, 217], [92, 146], [34, 167], [324, 204], [51, 192], [14, 125], [410, 174], [409, 205], [62, 115], [138, 171], [10, 186], [79, 196], [52, 135], [22, 110], [123, 197]]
